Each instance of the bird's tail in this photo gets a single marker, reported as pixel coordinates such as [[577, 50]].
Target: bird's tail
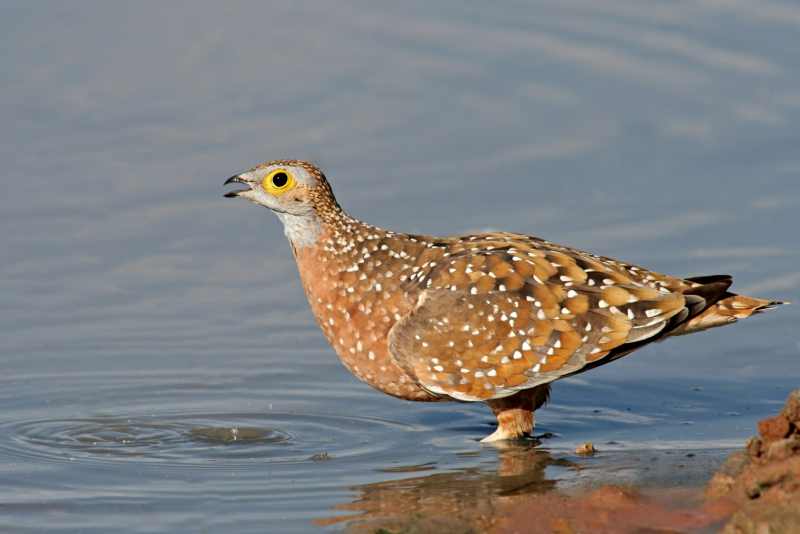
[[729, 309]]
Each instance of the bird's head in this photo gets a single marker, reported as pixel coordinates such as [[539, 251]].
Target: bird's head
[[296, 191], [291, 187]]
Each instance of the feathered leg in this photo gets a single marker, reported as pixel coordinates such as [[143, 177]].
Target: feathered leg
[[515, 413]]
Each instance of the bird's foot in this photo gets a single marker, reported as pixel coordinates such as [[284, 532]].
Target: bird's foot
[[504, 434], [515, 414]]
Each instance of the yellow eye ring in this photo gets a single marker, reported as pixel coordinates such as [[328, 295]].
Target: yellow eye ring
[[278, 181]]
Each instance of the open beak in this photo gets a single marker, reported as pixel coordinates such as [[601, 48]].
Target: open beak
[[237, 179]]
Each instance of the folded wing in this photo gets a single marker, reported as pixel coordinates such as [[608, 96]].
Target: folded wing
[[501, 313]]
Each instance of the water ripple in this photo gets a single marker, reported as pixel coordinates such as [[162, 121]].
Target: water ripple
[[199, 440]]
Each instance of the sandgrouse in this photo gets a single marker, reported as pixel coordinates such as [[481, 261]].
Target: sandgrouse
[[492, 317]]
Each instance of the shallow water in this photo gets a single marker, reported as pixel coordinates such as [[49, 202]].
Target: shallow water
[[159, 369], [238, 449]]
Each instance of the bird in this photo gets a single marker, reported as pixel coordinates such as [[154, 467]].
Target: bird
[[485, 317]]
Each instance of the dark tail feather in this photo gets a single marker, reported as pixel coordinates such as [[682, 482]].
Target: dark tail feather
[[722, 307]]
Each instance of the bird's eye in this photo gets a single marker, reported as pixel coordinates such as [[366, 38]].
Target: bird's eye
[[278, 181]]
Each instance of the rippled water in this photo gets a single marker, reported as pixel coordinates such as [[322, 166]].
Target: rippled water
[[159, 369], [248, 452]]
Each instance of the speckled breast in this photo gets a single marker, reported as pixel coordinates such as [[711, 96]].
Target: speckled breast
[[356, 301]]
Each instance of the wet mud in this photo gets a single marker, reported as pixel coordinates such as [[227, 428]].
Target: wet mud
[[756, 490]]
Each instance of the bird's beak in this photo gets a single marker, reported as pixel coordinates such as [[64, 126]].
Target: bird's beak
[[237, 179]]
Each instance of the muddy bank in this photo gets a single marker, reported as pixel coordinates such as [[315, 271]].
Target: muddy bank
[[764, 479], [757, 490]]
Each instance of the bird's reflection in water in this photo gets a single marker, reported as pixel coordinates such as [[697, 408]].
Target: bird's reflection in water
[[464, 500]]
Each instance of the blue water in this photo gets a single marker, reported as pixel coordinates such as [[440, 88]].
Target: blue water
[[159, 368]]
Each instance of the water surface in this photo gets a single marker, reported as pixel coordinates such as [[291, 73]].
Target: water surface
[[160, 369]]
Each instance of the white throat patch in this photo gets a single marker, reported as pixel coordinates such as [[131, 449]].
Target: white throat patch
[[301, 230]]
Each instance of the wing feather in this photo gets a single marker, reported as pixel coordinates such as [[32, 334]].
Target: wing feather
[[500, 313]]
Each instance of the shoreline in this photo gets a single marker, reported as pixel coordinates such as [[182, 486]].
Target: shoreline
[[756, 489]]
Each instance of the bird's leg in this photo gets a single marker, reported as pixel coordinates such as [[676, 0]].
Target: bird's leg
[[515, 413]]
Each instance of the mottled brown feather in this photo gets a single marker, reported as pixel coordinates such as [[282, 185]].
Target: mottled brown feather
[[529, 313]]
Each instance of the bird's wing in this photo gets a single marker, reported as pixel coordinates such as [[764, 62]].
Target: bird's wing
[[501, 313]]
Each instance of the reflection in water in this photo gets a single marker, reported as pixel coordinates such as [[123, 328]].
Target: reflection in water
[[525, 494], [463, 500]]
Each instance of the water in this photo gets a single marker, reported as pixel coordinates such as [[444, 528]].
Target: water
[[159, 369]]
